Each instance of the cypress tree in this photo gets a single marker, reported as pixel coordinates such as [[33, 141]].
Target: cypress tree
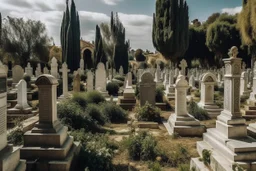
[[170, 33], [98, 48], [70, 37]]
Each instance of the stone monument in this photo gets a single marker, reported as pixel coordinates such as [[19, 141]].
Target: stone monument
[[47, 146], [65, 72], [147, 89]]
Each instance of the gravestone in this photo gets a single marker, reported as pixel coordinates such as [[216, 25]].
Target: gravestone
[[89, 83], [29, 70], [22, 102], [10, 156], [243, 84], [176, 73], [76, 82], [54, 67], [101, 78], [38, 71], [17, 74], [81, 66], [121, 70], [65, 72], [183, 65], [207, 95], [166, 79], [129, 79], [252, 99], [181, 122], [229, 142], [46, 70], [48, 140], [192, 82], [147, 89]]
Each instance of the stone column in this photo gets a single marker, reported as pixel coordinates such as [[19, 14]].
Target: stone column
[[65, 71], [230, 122], [47, 86]]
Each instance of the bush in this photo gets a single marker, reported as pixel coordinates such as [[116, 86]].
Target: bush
[[96, 153], [113, 88], [141, 146], [120, 78], [80, 99], [120, 83], [94, 111], [148, 113], [179, 155], [206, 154], [197, 111], [114, 113], [139, 55], [94, 97], [15, 137], [82, 88], [159, 94], [184, 167], [155, 166], [83, 77], [71, 114], [197, 93]]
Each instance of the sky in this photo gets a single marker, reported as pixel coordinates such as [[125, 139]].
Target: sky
[[136, 15]]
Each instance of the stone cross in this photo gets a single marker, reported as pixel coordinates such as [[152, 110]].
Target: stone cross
[[29, 70], [65, 72], [47, 89], [54, 67], [22, 102], [183, 65]]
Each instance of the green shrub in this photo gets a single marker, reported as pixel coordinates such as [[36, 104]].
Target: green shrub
[[119, 77], [80, 99], [184, 167], [141, 146], [94, 97], [139, 56], [15, 137], [94, 111], [155, 166], [148, 113], [114, 113], [219, 103], [96, 153], [71, 114], [83, 77], [197, 111], [159, 94], [179, 155], [119, 82], [82, 88], [113, 88], [197, 93], [206, 156]]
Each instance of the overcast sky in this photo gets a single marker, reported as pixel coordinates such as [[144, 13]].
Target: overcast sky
[[136, 15]]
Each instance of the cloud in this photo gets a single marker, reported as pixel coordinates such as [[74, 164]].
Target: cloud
[[111, 2], [232, 11]]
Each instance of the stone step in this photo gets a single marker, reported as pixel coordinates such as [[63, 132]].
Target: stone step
[[198, 165], [10, 158], [250, 108], [250, 112], [249, 117]]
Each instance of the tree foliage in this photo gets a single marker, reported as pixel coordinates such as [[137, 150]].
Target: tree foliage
[[139, 56], [25, 40], [170, 28], [99, 54], [70, 37]]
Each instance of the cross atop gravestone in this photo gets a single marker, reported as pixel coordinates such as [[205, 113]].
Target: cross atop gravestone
[[22, 102], [183, 65], [47, 87], [65, 71]]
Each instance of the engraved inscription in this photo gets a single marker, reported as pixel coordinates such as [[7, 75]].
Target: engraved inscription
[[45, 109]]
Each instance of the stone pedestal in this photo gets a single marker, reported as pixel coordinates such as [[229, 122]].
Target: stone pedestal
[[228, 142], [9, 155], [47, 146], [181, 122], [128, 100]]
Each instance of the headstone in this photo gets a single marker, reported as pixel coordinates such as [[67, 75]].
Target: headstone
[[121, 70], [22, 102], [147, 89], [101, 78], [48, 140], [10, 156], [46, 70], [166, 79], [65, 72], [129, 79], [81, 66], [89, 83], [176, 73], [17, 74], [29, 70], [76, 83], [181, 122], [243, 84], [38, 70], [183, 65], [54, 67], [192, 81]]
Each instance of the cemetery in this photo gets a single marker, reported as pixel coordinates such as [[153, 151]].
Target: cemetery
[[103, 106]]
